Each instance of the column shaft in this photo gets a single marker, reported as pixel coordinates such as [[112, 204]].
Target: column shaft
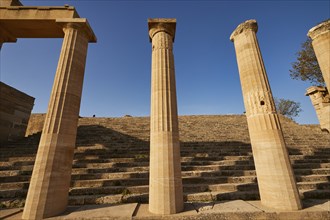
[[50, 182], [276, 179], [165, 193], [320, 36]]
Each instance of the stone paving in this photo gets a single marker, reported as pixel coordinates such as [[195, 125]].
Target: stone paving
[[237, 209]]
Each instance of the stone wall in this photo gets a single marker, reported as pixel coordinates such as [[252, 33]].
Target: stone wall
[[15, 111], [36, 124]]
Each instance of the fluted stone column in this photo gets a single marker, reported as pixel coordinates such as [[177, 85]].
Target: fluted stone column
[[49, 186], [165, 189], [276, 180], [321, 101], [320, 36]]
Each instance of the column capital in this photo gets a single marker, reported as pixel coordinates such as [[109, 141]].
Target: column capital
[[319, 29], [156, 25], [247, 25], [80, 24], [315, 89]]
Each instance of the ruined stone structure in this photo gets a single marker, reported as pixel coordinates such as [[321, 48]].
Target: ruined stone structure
[[15, 110], [321, 101], [320, 36], [35, 124], [277, 185], [165, 190], [111, 161], [50, 181]]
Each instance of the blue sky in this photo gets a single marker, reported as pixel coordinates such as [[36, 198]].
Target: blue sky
[[118, 68]]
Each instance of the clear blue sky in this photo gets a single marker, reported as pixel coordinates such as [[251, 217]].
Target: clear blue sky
[[117, 76]]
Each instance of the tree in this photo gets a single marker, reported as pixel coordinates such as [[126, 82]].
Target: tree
[[306, 68], [287, 107]]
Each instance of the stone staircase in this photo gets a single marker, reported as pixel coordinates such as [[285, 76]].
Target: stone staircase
[[111, 162]]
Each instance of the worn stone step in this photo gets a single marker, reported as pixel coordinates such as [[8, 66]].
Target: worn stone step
[[310, 165], [13, 193], [317, 171], [109, 170], [313, 185], [110, 165], [221, 195], [314, 194], [120, 175], [109, 190], [12, 203], [313, 178], [222, 172], [110, 182], [19, 178], [17, 172], [217, 167], [307, 160], [14, 185]]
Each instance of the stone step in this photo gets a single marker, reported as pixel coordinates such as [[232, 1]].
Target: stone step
[[307, 190], [217, 167], [307, 160], [14, 185], [313, 178], [109, 182], [111, 165], [310, 165], [12, 203], [145, 181], [120, 175], [317, 181], [109, 190], [219, 173], [19, 178], [313, 185], [316, 171], [13, 193], [314, 194]]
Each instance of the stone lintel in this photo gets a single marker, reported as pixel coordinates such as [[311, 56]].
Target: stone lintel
[[247, 25], [37, 12], [6, 36], [319, 29], [156, 25], [33, 22], [314, 89], [82, 23]]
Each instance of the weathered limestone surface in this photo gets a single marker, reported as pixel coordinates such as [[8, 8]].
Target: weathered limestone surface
[[277, 185], [321, 101], [165, 188], [35, 124], [15, 110], [320, 36], [50, 181]]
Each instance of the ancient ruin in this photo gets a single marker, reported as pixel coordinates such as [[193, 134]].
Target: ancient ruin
[[320, 36], [15, 111], [165, 188], [50, 181], [320, 99], [220, 157], [277, 185]]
